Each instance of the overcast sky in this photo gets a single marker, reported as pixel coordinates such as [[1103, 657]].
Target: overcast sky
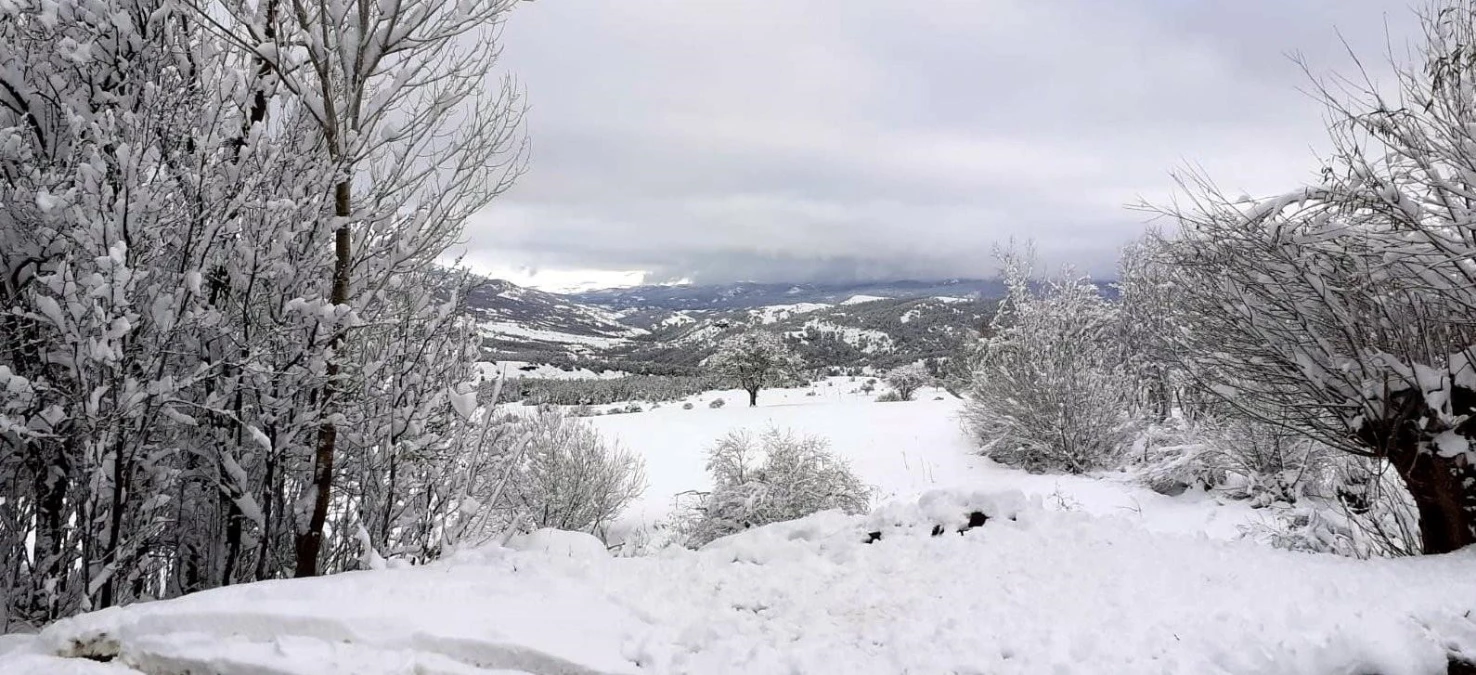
[[799, 140]]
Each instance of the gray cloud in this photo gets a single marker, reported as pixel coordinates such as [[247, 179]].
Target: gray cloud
[[845, 139]]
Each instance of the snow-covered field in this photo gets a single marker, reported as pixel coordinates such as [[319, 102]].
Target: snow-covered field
[[1069, 575], [902, 449]]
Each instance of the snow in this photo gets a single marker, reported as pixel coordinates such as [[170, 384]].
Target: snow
[[1083, 574], [515, 330], [859, 299], [776, 313], [1044, 592], [677, 319], [902, 449], [543, 371]]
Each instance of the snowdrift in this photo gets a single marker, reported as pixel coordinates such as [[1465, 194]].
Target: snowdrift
[[953, 582]]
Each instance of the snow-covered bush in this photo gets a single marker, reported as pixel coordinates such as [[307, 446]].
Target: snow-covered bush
[[1049, 393], [1370, 515], [570, 478], [906, 380], [890, 397], [1239, 457], [773, 477], [687, 405], [717, 403]]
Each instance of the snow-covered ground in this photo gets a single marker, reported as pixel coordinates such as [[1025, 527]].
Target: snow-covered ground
[[520, 369], [902, 449], [1069, 575]]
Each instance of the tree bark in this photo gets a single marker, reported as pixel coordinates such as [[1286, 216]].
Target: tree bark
[[310, 540], [753, 397], [1446, 505], [52, 476], [1443, 488]]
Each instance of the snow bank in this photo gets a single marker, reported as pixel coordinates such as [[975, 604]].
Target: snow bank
[[1027, 590]]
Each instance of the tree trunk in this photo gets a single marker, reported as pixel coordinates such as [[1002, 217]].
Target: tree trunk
[[1444, 491], [52, 476], [753, 397], [310, 540]]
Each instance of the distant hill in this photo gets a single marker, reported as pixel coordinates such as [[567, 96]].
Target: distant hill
[[858, 331], [743, 295], [669, 330], [514, 318]]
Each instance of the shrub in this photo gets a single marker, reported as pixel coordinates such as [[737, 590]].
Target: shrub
[[774, 477], [890, 397], [717, 403], [1049, 393], [569, 478], [687, 405], [906, 380]]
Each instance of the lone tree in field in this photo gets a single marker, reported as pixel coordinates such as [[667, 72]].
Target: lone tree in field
[[755, 360], [906, 380], [1344, 310]]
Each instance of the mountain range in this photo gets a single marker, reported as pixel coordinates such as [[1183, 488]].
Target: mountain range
[[670, 329]]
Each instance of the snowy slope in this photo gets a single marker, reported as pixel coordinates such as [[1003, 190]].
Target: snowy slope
[[514, 318], [776, 313]]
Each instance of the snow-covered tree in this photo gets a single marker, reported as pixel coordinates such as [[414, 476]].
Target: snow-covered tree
[[173, 350], [403, 105], [1342, 310], [1049, 392], [754, 360], [906, 380]]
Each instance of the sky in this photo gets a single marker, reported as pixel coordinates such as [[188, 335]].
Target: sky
[[712, 141]]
